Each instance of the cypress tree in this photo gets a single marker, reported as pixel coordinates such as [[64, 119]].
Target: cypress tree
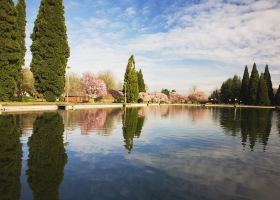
[[263, 98], [131, 81], [245, 86], [277, 97], [141, 83], [9, 50], [21, 21], [50, 49], [268, 81], [253, 85]]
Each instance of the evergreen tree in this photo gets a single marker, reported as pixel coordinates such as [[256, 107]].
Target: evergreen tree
[[21, 21], [230, 90], [131, 81], [262, 97], [9, 50], [268, 81], [244, 93], [141, 83], [253, 85], [277, 97], [50, 49]]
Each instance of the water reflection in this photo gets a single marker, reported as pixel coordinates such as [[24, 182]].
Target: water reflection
[[10, 158], [253, 124], [132, 126], [47, 156]]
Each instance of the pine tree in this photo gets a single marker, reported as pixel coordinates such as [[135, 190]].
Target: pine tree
[[50, 49], [277, 97], [131, 81], [21, 21], [268, 81], [253, 85], [141, 83], [262, 97], [9, 50], [245, 87]]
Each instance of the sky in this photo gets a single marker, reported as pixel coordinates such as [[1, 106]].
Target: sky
[[178, 44]]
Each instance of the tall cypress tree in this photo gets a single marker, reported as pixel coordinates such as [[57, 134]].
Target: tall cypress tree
[[141, 83], [21, 21], [268, 81], [131, 81], [50, 49], [244, 93], [253, 85], [9, 50], [263, 98], [277, 97]]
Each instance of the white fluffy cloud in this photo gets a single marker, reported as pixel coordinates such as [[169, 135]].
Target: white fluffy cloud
[[200, 44]]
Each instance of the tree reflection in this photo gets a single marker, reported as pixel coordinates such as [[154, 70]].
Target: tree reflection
[[10, 158], [47, 156], [132, 126], [278, 117], [230, 120], [254, 125], [92, 119]]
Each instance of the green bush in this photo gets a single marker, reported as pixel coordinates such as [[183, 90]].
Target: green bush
[[49, 96]]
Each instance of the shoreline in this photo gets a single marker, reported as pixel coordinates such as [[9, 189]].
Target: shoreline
[[44, 106]]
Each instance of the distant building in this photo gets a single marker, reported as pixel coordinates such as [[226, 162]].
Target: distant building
[[77, 98]]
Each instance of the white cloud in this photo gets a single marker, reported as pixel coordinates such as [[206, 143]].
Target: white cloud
[[130, 11], [230, 35]]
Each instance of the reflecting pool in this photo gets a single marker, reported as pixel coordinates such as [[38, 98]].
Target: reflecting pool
[[156, 152]]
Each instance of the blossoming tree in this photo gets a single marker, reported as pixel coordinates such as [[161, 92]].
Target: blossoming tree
[[92, 86]]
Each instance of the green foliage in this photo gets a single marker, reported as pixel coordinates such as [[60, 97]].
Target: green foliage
[[131, 81], [244, 92], [215, 96], [132, 126], [49, 96], [47, 156], [268, 81], [277, 97], [253, 85], [9, 50], [21, 21], [141, 82], [50, 48], [166, 92], [230, 90], [108, 78], [10, 158], [262, 97]]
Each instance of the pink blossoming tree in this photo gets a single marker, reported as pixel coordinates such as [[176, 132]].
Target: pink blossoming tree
[[92, 86]]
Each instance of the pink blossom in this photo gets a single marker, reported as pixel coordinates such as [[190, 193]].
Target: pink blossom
[[198, 97], [178, 98], [153, 97], [92, 86], [91, 120]]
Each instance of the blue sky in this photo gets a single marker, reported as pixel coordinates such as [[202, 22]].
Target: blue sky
[[177, 43]]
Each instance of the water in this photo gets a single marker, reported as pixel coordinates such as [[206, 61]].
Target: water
[[167, 152]]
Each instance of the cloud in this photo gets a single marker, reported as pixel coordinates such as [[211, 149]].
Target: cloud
[[177, 45], [130, 11]]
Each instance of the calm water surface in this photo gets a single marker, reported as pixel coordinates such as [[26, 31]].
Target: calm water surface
[[167, 152]]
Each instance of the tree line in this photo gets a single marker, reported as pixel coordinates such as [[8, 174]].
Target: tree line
[[254, 89], [50, 49]]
